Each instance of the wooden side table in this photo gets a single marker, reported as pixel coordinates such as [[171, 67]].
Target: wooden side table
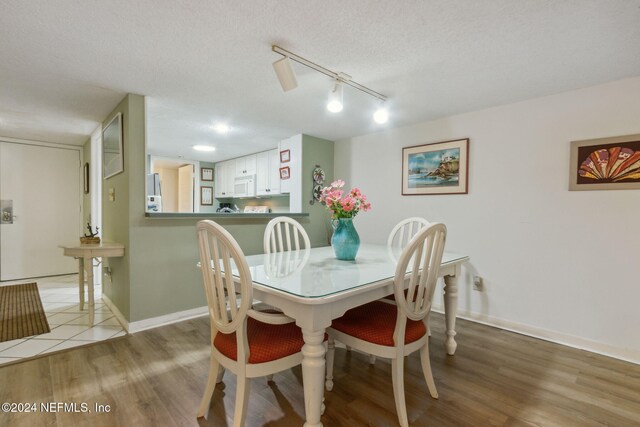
[[85, 255]]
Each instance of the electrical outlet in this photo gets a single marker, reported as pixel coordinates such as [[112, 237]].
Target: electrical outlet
[[477, 283]]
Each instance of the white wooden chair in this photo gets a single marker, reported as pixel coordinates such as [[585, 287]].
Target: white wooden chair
[[284, 234], [398, 239], [402, 234], [391, 330], [244, 341]]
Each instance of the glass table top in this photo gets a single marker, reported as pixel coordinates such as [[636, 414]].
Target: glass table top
[[317, 273]]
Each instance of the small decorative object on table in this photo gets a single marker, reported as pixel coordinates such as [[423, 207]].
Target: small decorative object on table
[[92, 238], [343, 207]]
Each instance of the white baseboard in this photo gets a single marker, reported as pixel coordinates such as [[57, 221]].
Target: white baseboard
[[116, 312], [625, 354], [154, 322]]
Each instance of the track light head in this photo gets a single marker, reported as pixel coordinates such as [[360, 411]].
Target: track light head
[[335, 98], [285, 73]]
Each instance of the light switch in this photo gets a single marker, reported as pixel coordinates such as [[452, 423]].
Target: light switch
[[112, 194]]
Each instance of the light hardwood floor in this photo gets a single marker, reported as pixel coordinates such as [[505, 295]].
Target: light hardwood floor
[[156, 378]]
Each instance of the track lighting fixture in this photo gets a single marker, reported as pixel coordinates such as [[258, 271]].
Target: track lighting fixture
[[287, 79], [285, 73], [335, 98]]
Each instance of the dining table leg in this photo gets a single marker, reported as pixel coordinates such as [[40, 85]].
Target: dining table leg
[[450, 311], [313, 372]]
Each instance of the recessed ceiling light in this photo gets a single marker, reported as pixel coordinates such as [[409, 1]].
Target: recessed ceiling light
[[204, 148], [221, 128]]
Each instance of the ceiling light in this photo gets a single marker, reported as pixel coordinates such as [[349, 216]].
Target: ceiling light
[[204, 148], [221, 128], [335, 105], [285, 73], [382, 114], [335, 98]]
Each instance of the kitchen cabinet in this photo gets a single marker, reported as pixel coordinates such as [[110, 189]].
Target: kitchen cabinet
[[268, 173], [225, 175], [245, 166]]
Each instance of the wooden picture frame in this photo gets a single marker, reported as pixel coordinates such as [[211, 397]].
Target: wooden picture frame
[[206, 196], [112, 148], [206, 174], [285, 173], [285, 156], [437, 168], [605, 164], [86, 178]]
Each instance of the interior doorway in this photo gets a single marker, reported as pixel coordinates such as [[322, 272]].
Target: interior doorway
[[177, 182]]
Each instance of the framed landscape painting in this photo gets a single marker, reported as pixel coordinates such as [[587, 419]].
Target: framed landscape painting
[[605, 164], [438, 168]]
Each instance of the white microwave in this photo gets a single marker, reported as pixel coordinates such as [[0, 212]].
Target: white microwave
[[244, 186]]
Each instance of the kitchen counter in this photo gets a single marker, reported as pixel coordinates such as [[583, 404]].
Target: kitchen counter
[[205, 215]]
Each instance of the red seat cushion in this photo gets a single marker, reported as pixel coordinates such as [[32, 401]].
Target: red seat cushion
[[266, 342], [375, 323], [406, 292]]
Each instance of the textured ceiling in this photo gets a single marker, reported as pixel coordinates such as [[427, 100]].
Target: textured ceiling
[[66, 64]]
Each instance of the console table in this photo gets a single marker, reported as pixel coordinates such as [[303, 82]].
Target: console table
[[85, 255]]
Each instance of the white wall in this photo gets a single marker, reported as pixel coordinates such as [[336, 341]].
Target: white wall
[[557, 264]]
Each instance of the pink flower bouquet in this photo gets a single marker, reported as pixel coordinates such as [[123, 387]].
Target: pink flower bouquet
[[341, 204]]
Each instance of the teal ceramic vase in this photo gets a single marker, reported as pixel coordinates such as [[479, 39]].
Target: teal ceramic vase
[[345, 239]]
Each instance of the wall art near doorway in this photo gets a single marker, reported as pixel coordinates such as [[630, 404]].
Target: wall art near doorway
[[438, 168], [112, 148], [206, 196], [605, 163], [206, 174]]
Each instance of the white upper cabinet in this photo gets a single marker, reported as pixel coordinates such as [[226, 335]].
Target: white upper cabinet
[[225, 178], [268, 173], [245, 166]]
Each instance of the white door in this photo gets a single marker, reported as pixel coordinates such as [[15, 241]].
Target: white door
[[185, 188], [43, 186]]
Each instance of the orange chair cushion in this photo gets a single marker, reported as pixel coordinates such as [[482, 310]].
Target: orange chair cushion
[[375, 323], [266, 342]]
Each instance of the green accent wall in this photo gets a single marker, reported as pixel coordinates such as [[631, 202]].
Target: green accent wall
[[316, 151], [158, 274], [117, 214], [214, 206]]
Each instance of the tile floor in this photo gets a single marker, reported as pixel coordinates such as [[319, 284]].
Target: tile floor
[[67, 322]]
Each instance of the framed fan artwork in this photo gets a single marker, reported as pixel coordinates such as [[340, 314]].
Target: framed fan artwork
[[605, 164]]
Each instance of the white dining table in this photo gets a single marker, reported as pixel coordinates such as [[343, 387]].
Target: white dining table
[[313, 287]]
